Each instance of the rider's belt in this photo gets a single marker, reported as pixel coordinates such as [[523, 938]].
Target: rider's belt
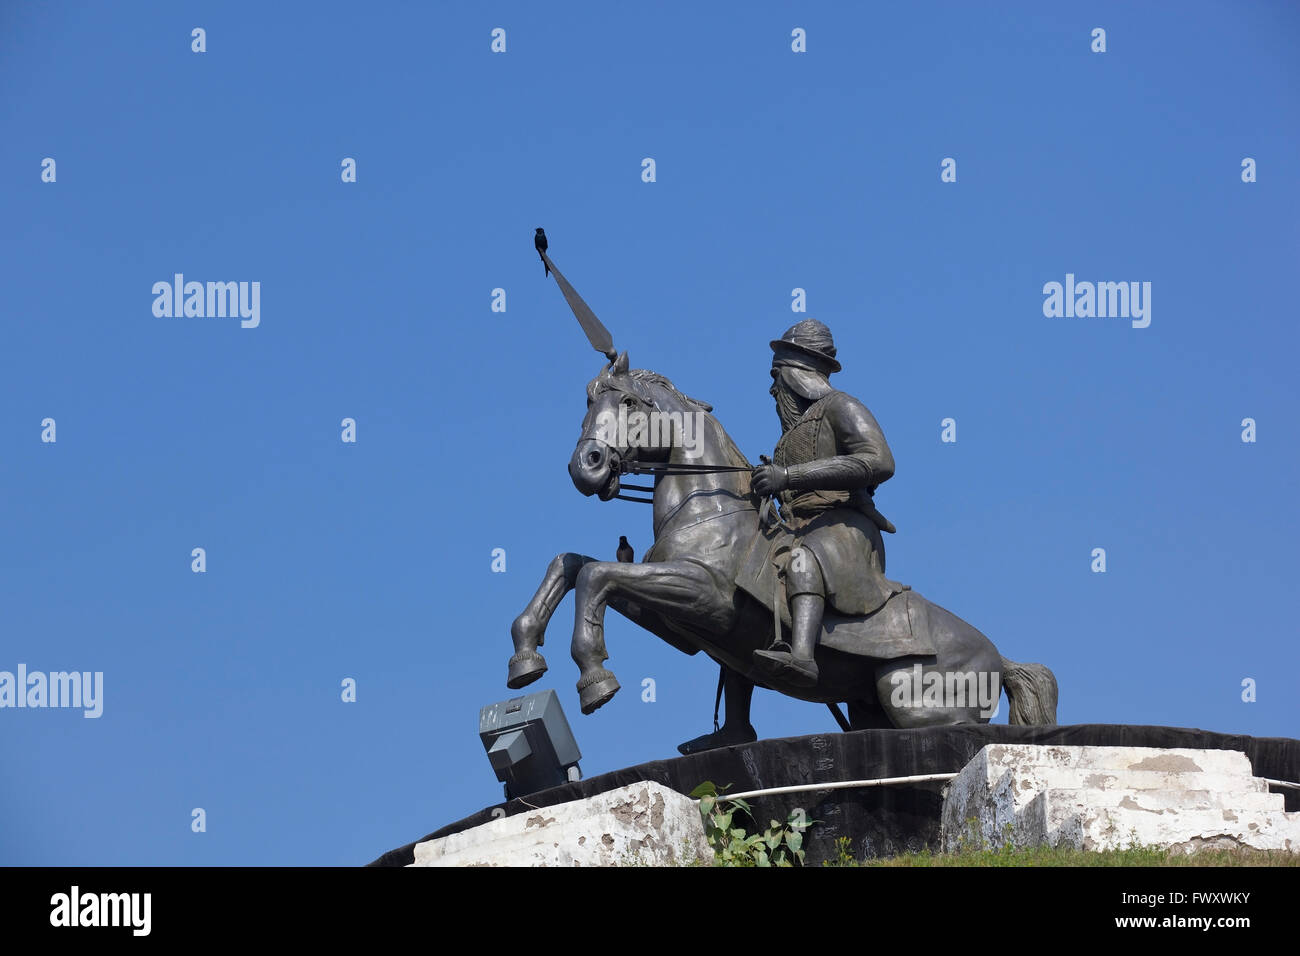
[[806, 505]]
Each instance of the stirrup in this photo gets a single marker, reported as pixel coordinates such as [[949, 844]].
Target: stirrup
[[784, 666]]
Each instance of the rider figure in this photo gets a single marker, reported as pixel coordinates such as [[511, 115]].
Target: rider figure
[[825, 469]]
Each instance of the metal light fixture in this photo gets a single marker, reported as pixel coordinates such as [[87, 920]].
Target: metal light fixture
[[529, 743]]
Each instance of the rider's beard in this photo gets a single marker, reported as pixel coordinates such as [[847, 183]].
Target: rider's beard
[[789, 407]]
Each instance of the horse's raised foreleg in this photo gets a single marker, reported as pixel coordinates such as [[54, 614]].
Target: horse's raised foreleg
[[528, 632], [680, 590]]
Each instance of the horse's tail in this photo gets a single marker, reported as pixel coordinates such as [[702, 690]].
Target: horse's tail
[[1031, 692]]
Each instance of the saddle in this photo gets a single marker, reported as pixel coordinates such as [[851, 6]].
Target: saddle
[[899, 628]]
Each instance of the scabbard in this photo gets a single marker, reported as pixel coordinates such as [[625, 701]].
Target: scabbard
[[867, 505]]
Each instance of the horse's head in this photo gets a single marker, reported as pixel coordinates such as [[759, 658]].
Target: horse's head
[[625, 412], [602, 447]]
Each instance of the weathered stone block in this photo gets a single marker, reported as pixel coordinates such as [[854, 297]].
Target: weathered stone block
[[1098, 798], [642, 824]]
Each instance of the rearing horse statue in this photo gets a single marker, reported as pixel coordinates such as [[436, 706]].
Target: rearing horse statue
[[713, 581]]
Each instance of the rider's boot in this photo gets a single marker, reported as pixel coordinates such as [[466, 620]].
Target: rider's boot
[[793, 663]]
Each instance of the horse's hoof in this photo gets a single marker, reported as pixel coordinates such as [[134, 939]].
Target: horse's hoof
[[717, 739], [525, 667], [596, 689], [786, 668]]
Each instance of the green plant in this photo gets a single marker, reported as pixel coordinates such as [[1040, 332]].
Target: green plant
[[779, 845], [843, 854]]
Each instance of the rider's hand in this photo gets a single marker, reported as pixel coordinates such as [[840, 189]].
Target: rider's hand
[[769, 479]]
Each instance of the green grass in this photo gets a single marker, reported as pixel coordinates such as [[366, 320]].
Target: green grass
[[1139, 856], [1051, 856]]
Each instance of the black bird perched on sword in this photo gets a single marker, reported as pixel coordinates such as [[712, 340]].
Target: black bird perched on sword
[[539, 243], [624, 552]]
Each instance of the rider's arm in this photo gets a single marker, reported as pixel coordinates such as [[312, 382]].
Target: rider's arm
[[863, 459]]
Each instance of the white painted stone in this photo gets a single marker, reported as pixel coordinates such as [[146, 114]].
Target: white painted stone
[[1058, 821], [1108, 797], [1156, 801], [1031, 780], [643, 824], [1180, 759]]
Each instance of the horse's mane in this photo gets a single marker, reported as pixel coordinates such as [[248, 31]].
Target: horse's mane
[[640, 381]]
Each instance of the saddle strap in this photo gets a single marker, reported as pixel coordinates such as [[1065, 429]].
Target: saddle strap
[[776, 607], [717, 700]]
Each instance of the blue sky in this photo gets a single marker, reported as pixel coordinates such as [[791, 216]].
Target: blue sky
[[775, 171]]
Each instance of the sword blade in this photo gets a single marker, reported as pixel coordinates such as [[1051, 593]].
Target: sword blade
[[597, 334]]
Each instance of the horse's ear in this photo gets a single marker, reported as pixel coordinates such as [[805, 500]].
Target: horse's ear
[[620, 364]]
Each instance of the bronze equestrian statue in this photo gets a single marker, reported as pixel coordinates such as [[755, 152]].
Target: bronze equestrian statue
[[796, 602]]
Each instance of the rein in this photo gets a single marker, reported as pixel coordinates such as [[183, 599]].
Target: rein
[[665, 468]]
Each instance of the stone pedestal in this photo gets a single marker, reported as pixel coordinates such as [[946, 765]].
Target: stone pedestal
[[1099, 798], [644, 824], [879, 821]]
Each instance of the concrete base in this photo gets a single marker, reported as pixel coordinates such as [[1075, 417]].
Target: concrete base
[[644, 824], [1097, 798], [880, 821]]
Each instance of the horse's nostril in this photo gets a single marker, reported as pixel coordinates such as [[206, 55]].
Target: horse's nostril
[[593, 458]]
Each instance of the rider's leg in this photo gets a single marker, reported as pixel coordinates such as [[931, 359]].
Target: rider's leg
[[806, 612], [806, 592]]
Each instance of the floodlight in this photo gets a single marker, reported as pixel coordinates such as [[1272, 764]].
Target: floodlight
[[529, 743]]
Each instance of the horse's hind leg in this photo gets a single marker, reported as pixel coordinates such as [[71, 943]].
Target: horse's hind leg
[[736, 728], [866, 714], [528, 632]]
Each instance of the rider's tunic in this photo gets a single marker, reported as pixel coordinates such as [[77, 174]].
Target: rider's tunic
[[835, 456]]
